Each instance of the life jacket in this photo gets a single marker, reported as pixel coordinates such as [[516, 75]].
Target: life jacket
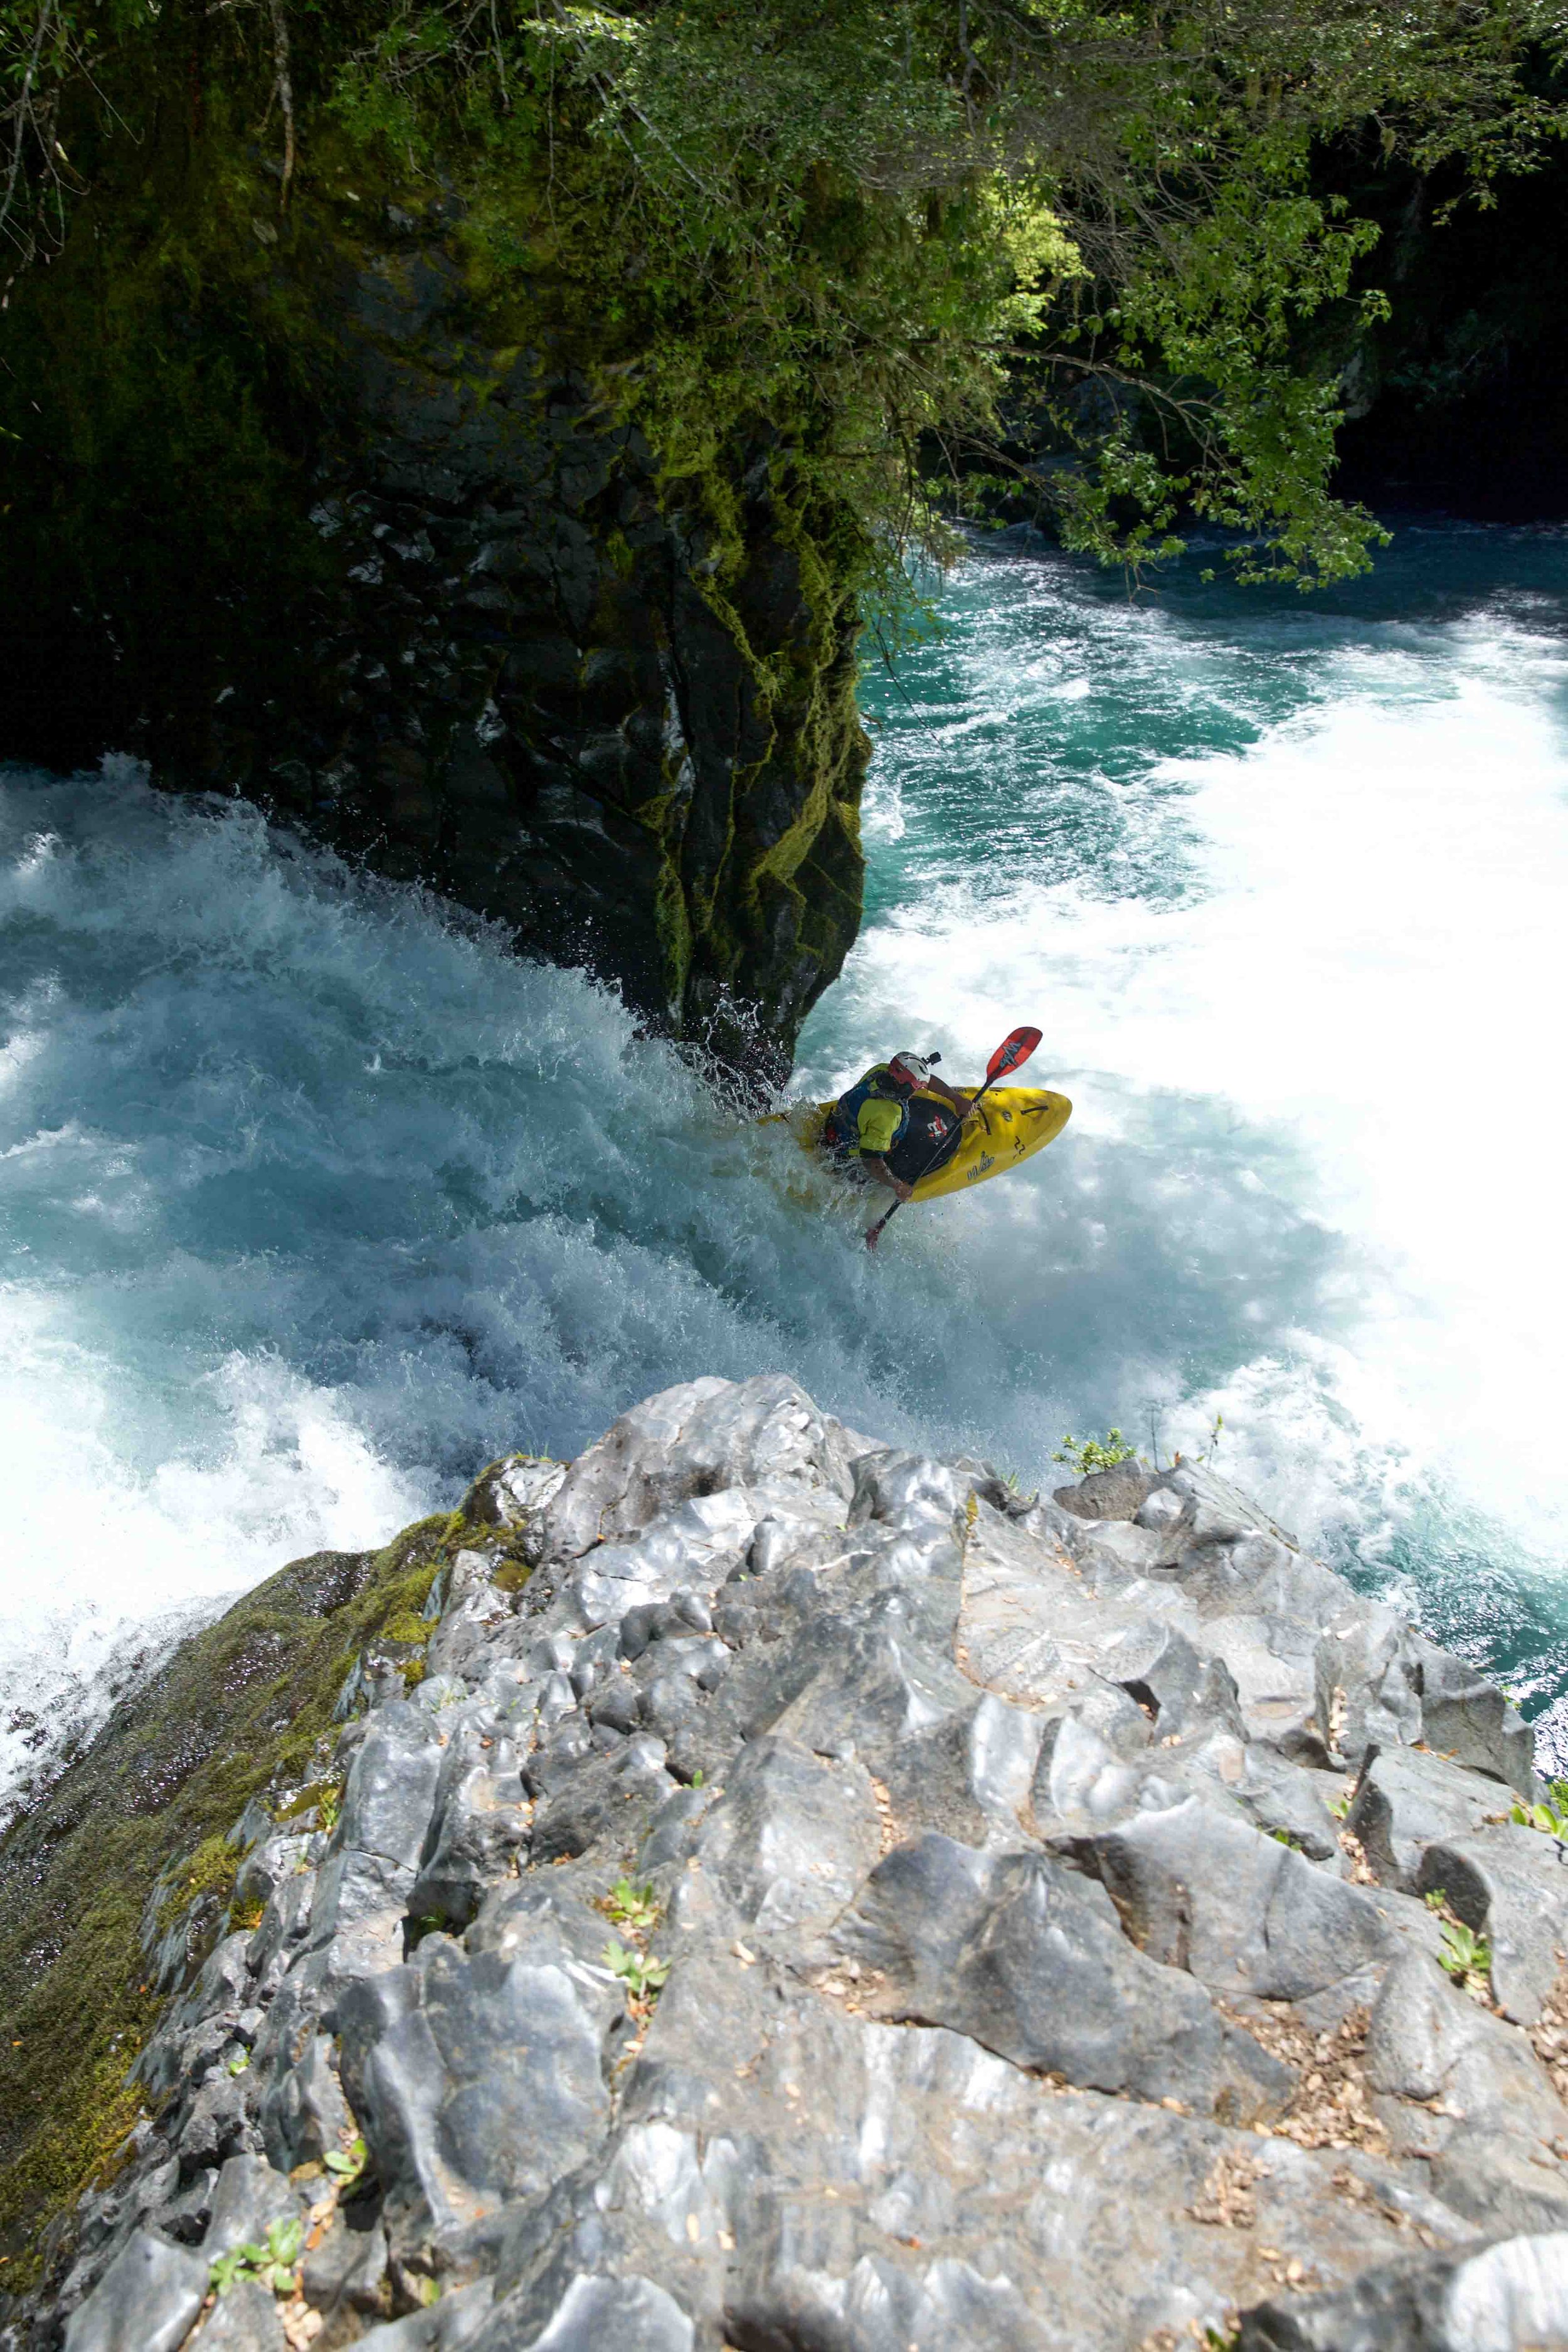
[[842, 1133]]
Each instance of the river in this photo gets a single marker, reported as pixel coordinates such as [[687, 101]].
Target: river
[[313, 1198]]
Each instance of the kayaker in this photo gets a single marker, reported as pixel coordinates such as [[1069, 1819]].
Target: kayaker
[[868, 1121]]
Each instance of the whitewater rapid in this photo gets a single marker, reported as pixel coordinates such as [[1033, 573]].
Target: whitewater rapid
[[313, 1198]]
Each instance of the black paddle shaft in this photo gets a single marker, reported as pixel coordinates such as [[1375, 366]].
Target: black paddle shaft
[[1010, 1056], [874, 1233]]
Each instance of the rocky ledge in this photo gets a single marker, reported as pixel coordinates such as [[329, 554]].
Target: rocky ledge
[[803, 1897]]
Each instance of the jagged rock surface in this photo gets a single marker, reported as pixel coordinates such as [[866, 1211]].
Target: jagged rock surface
[[838, 1905]]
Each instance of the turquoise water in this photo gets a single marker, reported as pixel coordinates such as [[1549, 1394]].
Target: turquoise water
[[313, 1198]]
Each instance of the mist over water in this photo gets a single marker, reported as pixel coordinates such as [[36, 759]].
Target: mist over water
[[313, 1198]]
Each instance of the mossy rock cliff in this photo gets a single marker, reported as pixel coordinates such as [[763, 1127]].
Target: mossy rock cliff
[[133, 1837], [331, 502]]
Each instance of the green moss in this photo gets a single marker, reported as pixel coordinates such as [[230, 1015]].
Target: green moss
[[210, 1870], [406, 1627], [240, 1710]]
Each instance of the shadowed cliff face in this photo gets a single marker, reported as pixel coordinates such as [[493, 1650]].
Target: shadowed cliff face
[[335, 530]]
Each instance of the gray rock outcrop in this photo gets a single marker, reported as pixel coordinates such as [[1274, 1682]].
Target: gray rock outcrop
[[838, 1905]]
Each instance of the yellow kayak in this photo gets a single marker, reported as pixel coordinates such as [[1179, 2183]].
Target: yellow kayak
[[1011, 1125]]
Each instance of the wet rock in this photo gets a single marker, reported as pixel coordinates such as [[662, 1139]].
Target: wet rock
[[1200, 1890], [348, 2269], [1510, 1884], [986, 1883], [303, 2115], [144, 2301], [1007, 1948], [1182, 1692], [244, 2320], [1500, 2297], [631, 2313], [477, 2079], [1469, 1719], [791, 1837], [1405, 1801], [694, 1441], [455, 2320], [1117, 1494], [621, 1789], [215, 2126], [250, 2196]]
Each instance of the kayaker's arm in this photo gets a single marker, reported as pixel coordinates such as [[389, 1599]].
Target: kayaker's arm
[[879, 1172], [957, 1099]]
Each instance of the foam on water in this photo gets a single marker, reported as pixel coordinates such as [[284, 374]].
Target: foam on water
[[1298, 974], [314, 1198]]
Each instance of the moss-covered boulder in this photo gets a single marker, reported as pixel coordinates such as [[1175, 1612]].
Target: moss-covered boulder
[[331, 502], [131, 1844]]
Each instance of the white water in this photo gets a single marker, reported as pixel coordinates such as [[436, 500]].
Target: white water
[[313, 1198]]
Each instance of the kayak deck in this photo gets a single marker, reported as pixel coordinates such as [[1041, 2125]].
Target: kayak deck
[[1009, 1127]]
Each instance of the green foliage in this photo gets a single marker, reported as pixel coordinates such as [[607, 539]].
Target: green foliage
[[636, 1907], [1466, 1957], [1551, 1817], [643, 1975], [1340, 1806], [323, 1798], [853, 236], [346, 2165], [1090, 1454], [273, 2265]]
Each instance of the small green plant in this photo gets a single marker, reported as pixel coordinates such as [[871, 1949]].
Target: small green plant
[[1290, 1838], [1087, 1455], [636, 1907], [271, 2265], [324, 1798], [643, 1975], [1552, 1817], [1341, 1807], [1435, 1898], [238, 2066], [1212, 1448], [1466, 1956], [347, 2164]]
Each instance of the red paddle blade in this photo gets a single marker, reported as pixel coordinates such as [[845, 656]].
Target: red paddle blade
[[1013, 1052]]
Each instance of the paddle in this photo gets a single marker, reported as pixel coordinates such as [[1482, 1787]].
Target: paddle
[[1011, 1054]]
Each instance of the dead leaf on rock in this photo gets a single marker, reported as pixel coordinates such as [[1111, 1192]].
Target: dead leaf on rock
[[1226, 2200]]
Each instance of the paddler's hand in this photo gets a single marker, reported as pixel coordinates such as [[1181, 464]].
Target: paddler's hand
[[880, 1173]]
